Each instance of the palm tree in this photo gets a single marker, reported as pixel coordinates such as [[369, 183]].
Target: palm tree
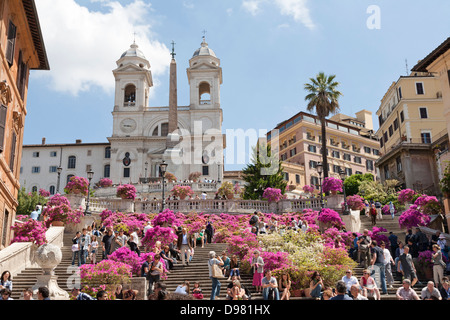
[[323, 99]]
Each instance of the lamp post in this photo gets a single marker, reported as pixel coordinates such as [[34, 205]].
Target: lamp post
[[342, 175], [146, 165], [319, 168], [58, 170], [90, 174], [163, 168]]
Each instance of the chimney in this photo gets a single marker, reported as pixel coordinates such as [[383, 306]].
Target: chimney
[[43, 140], [78, 141]]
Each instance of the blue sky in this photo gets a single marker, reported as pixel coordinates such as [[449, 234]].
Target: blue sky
[[268, 50]]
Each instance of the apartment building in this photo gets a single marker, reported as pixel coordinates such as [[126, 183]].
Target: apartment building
[[351, 145]]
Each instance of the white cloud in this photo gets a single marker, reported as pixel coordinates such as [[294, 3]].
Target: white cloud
[[298, 9], [83, 45], [188, 5], [252, 6]]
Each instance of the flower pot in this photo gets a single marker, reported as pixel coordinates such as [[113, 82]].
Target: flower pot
[[127, 205], [333, 192], [428, 273], [182, 197], [58, 223], [230, 196], [297, 293]]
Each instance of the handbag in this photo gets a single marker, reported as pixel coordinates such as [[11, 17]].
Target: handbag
[[216, 272], [74, 247]]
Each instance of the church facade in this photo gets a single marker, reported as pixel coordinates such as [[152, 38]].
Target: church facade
[[188, 138]]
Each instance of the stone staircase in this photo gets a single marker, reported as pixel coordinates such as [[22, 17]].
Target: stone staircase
[[390, 225], [197, 271]]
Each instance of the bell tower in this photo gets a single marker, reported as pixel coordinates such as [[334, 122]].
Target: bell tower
[[133, 80], [205, 77]]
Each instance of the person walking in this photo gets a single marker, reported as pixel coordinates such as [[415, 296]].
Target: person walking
[[407, 266], [388, 262], [213, 259], [135, 242], [438, 266], [107, 241], [364, 242], [76, 248], [184, 244], [373, 214], [392, 209], [378, 208]]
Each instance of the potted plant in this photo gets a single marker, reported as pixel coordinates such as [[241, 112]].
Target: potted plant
[[77, 185], [28, 230], [226, 189], [425, 265], [105, 183], [332, 184], [272, 194], [126, 192], [193, 176], [182, 191], [309, 189], [355, 202]]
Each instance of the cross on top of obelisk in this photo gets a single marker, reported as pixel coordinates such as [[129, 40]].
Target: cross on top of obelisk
[[204, 35], [173, 50]]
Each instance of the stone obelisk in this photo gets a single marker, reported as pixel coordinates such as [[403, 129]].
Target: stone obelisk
[[172, 152]]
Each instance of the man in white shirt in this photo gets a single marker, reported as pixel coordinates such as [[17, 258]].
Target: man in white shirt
[[387, 264], [349, 280]]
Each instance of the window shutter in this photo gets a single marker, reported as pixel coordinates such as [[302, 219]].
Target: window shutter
[[12, 156], [11, 42], [3, 113]]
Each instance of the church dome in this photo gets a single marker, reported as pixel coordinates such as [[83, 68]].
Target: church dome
[[204, 50], [133, 51]]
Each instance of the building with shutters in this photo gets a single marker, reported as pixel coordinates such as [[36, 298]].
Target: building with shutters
[[411, 119], [351, 146], [22, 49]]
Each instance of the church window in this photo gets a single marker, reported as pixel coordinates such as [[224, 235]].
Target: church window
[[164, 129], [130, 95], [205, 170], [126, 172], [204, 93]]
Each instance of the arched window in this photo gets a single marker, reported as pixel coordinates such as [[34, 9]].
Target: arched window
[[130, 95], [72, 162], [34, 189], [164, 129], [52, 189], [204, 92]]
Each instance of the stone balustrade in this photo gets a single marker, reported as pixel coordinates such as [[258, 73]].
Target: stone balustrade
[[212, 205], [147, 188]]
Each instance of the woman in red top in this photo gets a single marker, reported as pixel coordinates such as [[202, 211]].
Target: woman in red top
[[369, 286], [373, 214]]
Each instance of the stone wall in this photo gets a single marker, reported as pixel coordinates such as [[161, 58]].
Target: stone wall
[[18, 256]]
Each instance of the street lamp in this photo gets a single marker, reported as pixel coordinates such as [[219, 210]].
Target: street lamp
[[319, 168], [59, 169], [163, 168], [342, 176], [90, 175], [146, 165]]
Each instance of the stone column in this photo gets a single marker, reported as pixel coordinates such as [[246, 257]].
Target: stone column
[[173, 101]]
